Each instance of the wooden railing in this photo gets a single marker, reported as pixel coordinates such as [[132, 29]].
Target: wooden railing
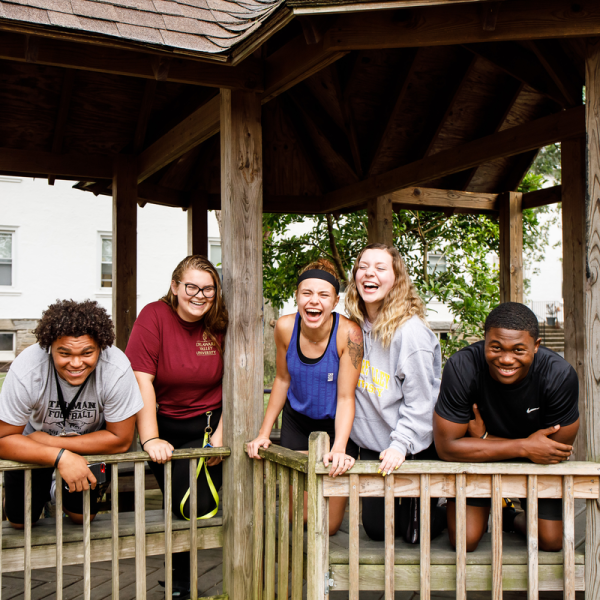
[[110, 539]]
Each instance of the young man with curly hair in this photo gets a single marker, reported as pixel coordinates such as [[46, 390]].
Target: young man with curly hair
[[70, 394]]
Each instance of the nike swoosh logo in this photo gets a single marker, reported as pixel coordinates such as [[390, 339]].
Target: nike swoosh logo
[[532, 409]]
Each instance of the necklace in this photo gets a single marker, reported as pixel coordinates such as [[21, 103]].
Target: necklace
[[324, 338]]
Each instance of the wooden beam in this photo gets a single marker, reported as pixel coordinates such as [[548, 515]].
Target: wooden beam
[[197, 225], [511, 247], [241, 212], [449, 25], [543, 197], [63, 112], [144, 115], [32, 162], [124, 241], [509, 142], [380, 221], [573, 263], [434, 199], [592, 306], [90, 57], [310, 7], [199, 126]]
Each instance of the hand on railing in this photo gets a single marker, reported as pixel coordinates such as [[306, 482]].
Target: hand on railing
[[160, 451], [391, 459], [75, 472], [260, 442], [216, 441], [539, 448], [340, 463]]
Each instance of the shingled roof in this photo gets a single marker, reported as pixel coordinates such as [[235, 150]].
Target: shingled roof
[[209, 26]]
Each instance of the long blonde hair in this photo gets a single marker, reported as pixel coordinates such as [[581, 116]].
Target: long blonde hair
[[216, 319], [401, 303]]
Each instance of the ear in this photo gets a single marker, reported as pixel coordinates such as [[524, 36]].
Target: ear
[[537, 345], [174, 287], [337, 299]]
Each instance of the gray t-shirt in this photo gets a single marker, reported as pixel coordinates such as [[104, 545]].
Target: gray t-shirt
[[29, 395]]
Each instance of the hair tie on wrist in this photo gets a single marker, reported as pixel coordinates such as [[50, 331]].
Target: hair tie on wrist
[[58, 457], [154, 438], [484, 435]]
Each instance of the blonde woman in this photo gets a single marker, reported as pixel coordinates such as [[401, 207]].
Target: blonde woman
[[400, 375]]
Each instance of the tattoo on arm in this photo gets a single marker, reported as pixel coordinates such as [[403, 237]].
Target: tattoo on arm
[[355, 347]]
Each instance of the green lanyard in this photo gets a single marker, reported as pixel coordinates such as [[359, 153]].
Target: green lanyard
[[202, 463]]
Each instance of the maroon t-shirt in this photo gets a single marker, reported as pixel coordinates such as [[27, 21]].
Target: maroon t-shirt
[[186, 364]]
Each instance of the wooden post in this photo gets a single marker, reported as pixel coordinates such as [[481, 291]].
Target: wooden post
[[241, 211], [380, 220], [124, 241], [197, 225], [592, 309], [511, 247], [573, 242]]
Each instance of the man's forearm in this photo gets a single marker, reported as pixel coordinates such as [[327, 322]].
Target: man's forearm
[[469, 449], [20, 448], [97, 442]]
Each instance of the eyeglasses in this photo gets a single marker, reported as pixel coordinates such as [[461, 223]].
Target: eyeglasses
[[193, 290]]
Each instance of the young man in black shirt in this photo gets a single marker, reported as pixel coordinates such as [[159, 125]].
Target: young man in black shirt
[[507, 398]]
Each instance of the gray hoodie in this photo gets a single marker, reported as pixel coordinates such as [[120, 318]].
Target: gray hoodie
[[397, 390]]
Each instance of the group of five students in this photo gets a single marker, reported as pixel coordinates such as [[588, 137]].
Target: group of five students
[[372, 381]]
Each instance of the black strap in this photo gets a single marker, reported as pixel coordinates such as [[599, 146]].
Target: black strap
[[64, 409]]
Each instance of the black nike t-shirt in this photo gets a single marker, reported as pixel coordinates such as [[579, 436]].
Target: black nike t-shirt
[[547, 396]]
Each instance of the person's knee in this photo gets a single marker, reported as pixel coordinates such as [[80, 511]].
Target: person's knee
[[78, 518], [550, 536], [17, 525], [473, 539]]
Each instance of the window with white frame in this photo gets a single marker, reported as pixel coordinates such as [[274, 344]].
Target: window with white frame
[[105, 261], [436, 263], [7, 345], [6, 258], [214, 255]]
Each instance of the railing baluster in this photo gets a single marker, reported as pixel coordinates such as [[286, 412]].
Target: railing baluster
[[270, 517], [461, 536], [532, 538], [87, 562], [568, 538], [140, 531], [297, 535], [353, 548], [283, 476], [425, 538], [259, 529], [168, 502], [27, 548], [114, 519], [193, 531], [496, 537], [388, 483], [59, 534]]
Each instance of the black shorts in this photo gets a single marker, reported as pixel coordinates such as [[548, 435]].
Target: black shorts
[[549, 509], [296, 429], [41, 481]]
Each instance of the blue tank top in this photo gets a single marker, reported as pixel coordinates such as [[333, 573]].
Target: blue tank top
[[313, 387]]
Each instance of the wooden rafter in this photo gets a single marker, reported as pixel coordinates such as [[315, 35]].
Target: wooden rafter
[[452, 24], [510, 142], [63, 112], [144, 115], [310, 7]]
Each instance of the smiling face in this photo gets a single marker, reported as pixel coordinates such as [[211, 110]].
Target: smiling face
[[374, 278], [75, 357], [193, 308], [509, 354], [316, 300]]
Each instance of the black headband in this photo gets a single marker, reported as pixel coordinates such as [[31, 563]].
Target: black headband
[[320, 274]]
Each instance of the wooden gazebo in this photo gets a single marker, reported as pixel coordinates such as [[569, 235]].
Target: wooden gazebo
[[321, 106]]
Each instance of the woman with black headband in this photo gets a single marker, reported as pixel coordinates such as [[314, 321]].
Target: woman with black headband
[[319, 355]]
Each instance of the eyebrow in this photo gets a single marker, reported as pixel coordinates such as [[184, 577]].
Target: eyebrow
[[63, 349]]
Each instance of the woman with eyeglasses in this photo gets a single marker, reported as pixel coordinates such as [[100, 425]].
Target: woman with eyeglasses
[[176, 351]]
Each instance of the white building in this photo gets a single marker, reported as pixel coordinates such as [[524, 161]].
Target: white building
[[55, 242]]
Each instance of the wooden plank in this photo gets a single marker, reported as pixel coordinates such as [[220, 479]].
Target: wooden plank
[[496, 537], [124, 247], [511, 247], [425, 539], [380, 220], [461, 537], [509, 142], [270, 528], [449, 25], [193, 529], [241, 213], [168, 502], [197, 225], [592, 305], [62, 114], [568, 539], [283, 551], [432, 198], [202, 124], [285, 457], [573, 264], [144, 115], [353, 548], [317, 529], [532, 539], [297, 534], [114, 517], [140, 533], [59, 534], [87, 558], [309, 7], [27, 547], [389, 537], [545, 196], [258, 530]]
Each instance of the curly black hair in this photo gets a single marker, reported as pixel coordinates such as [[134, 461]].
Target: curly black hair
[[515, 316], [67, 317]]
